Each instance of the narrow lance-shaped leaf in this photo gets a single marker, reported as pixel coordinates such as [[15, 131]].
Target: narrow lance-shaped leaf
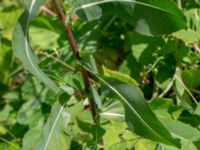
[[21, 44], [146, 15], [53, 137], [138, 114]]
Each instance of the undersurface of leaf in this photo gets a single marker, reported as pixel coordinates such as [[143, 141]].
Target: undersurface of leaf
[[21, 45]]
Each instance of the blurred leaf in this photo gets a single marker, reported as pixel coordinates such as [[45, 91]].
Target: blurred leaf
[[188, 36], [197, 110], [5, 59], [95, 130], [164, 108], [166, 70], [39, 34], [7, 25], [191, 119], [114, 111], [30, 116], [31, 138], [190, 78], [115, 129], [145, 145], [96, 97]]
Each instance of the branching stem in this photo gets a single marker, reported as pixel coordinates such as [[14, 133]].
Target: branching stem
[[85, 74]]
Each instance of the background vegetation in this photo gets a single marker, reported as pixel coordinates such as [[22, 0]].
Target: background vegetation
[[142, 61]]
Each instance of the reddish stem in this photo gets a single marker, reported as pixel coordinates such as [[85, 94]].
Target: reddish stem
[[85, 74]]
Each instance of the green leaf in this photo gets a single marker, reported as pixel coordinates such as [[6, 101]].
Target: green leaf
[[96, 97], [197, 110], [114, 111], [151, 22], [145, 145], [188, 36], [95, 130], [164, 108], [191, 78], [5, 58], [185, 132], [90, 13], [138, 114], [31, 138], [182, 95], [122, 77], [178, 129], [189, 118], [29, 116], [52, 137], [21, 45]]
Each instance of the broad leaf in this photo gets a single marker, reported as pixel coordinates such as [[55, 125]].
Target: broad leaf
[[31, 138], [21, 44], [146, 15], [52, 137], [186, 133], [138, 114], [178, 129]]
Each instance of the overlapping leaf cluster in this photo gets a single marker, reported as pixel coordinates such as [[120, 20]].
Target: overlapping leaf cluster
[[143, 58]]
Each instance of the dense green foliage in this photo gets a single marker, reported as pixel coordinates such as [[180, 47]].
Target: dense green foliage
[[133, 85]]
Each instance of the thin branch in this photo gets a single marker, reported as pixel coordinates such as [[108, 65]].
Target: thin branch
[[56, 59], [85, 74], [184, 86], [168, 88], [196, 47], [48, 11], [67, 29], [47, 55]]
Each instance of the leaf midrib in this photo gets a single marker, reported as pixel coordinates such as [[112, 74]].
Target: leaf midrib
[[146, 124], [53, 127], [26, 40]]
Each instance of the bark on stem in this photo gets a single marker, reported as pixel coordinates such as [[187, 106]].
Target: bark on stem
[[74, 46]]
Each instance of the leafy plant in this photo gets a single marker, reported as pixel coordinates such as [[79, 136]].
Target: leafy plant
[[100, 74]]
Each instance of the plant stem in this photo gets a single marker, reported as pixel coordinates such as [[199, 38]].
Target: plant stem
[[85, 74]]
